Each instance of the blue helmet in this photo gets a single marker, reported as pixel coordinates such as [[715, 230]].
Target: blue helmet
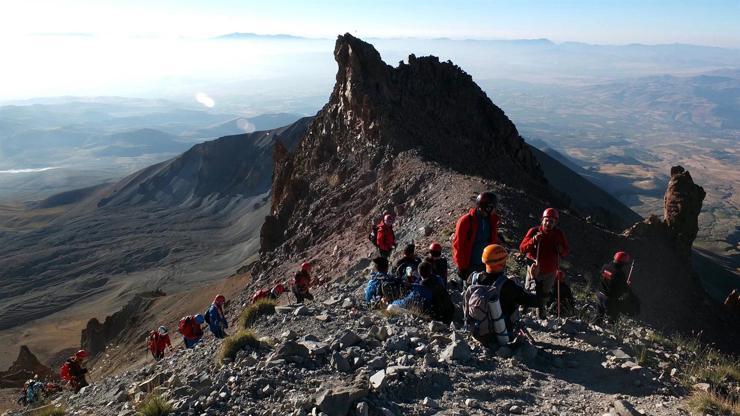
[[200, 319]]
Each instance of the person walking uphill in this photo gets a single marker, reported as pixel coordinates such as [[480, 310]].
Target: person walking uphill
[[158, 342], [386, 239], [216, 318], [302, 283], [615, 296], [190, 328], [544, 245], [473, 232], [73, 372]]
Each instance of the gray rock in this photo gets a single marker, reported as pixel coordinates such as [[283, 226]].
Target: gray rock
[[365, 321], [429, 402], [377, 363], [379, 333], [283, 309], [348, 303], [378, 380], [337, 401], [349, 339], [620, 355], [472, 403], [289, 335], [623, 408], [458, 350], [517, 410], [527, 352], [436, 326], [302, 311], [340, 363], [362, 409], [291, 351], [504, 352], [323, 317], [397, 343]]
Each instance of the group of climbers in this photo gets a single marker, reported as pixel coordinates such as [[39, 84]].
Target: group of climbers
[[191, 326], [491, 298], [35, 391], [300, 286]]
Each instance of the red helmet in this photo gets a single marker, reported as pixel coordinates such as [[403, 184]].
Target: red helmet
[[486, 199], [551, 213], [219, 300], [435, 247], [621, 257], [278, 289], [306, 266], [81, 354]]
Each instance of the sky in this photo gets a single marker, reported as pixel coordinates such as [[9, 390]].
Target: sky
[[705, 22]]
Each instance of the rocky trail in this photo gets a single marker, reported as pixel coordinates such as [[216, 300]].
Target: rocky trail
[[335, 356]]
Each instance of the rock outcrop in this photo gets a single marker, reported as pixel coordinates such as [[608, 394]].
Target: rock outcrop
[[376, 112], [681, 207], [25, 367]]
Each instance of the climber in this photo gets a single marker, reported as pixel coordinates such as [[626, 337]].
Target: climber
[[473, 232], [158, 341], [383, 288], [35, 391], [544, 246], [440, 263], [429, 296], [406, 268], [73, 372], [216, 318], [190, 328], [615, 296], [494, 287], [302, 283], [385, 238], [272, 294]]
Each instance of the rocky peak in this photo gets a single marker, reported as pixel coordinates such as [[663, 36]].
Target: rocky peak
[[24, 367], [376, 112], [681, 207]]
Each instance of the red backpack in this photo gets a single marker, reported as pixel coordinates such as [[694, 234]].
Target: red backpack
[[64, 372], [153, 341]]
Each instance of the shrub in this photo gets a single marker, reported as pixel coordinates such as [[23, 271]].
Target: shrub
[[49, 411], [235, 343], [256, 310], [703, 402], [155, 406]]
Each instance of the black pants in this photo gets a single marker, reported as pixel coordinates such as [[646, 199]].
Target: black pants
[[301, 296]]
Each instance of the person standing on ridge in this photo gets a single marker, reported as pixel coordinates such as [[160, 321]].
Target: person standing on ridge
[[544, 245], [191, 330], [409, 260], [302, 283], [216, 318], [385, 238], [158, 341], [73, 372], [439, 262], [473, 232]]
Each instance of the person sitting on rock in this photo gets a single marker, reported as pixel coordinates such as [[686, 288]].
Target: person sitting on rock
[[382, 288], [439, 262], [473, 232], [487, 287], [406, 268], [615, 296], [385, 238], [216, 318], [73, 372], [272, 294], [302, 283], [191, 330], [158, 342], [428, 296], [544, 246]]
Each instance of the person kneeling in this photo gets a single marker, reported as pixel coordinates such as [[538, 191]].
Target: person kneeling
[[382, 288], [491, 302]]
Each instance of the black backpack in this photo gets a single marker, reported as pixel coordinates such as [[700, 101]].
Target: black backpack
[[207, 316], [373, 235]]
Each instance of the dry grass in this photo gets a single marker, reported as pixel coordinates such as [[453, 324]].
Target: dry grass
[[256, 310], [49, 411], [702, 402], [235, 343], [154, 406]]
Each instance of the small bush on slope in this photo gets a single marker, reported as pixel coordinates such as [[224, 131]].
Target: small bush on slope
[[255, 310], [235, 343], [155, 406]]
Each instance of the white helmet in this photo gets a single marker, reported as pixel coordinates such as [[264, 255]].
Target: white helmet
[[163, 330]]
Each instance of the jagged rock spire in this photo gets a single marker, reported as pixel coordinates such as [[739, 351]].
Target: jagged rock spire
[[681, 207]]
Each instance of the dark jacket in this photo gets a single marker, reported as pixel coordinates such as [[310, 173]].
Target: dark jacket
[[301, 281], [440, 266], [430, 297], [399, 269], [512, 295]]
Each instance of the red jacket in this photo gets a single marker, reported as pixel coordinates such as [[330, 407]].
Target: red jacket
[[465, 230], [191, 330], [549, 242], [158, 342], [260, 294], [385, 239], [302, 281]]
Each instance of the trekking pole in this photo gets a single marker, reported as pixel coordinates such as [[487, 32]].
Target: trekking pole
[[629, 275], [557, 277]]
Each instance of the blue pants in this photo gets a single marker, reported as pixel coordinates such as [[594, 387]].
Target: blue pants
[[217, 331], [190, 343]]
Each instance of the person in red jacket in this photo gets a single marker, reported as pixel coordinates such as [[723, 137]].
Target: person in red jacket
[[158, 342], [386, 239], [302, 283], [191, 330], [544, 245], [473, 232]]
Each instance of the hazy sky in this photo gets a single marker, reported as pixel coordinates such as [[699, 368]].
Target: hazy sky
[[706, 22]]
